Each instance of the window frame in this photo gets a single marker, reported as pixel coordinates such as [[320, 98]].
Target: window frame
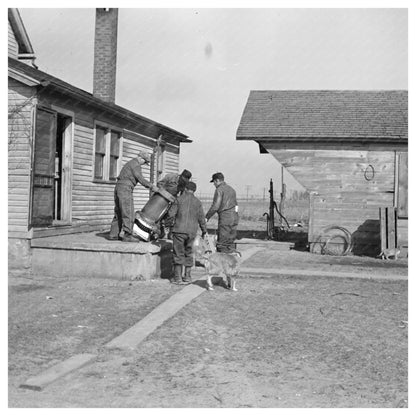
[[109, 130]]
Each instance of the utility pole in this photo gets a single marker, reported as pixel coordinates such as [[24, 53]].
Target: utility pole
[[247, 189]]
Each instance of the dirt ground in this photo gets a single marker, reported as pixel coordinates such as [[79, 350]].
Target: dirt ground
[[280, 341]]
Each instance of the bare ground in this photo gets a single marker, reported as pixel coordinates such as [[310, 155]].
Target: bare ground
[[281, 341]]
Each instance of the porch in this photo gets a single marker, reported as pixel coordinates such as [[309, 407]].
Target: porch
[[91, 254]]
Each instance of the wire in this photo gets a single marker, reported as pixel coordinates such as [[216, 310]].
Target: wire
[[333, 248]]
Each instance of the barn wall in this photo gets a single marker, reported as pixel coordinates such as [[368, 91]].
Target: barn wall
[[20, 107], [402, 235], [344, 192]]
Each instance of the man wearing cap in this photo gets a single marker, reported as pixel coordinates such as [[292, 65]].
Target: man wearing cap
[[186, 214], [225, 205], [129, 176], [174, 183]]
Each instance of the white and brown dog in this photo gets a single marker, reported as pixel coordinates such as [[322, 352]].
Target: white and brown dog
[[224, 265]]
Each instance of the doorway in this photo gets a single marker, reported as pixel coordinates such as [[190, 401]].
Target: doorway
[[61, 211], [51, 191]]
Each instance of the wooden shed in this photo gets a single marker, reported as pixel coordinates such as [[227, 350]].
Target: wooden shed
[[66, 146], [349, 149]]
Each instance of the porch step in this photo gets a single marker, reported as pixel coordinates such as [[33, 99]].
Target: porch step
[[245, 243], [91, 255]]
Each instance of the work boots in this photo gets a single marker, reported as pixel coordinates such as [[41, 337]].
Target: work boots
[[177, 278], [187, 278]]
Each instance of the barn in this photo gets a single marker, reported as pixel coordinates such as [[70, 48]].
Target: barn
[[66, 146], [349, 150]]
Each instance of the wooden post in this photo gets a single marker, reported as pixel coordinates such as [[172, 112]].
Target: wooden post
[[391, 227], [383, 232], [388, 227]]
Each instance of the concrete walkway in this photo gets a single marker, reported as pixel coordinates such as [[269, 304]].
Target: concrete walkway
[[129, 339], [137, 333], [317, 273]]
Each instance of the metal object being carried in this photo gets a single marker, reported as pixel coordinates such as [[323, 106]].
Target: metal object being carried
[[145, 223]]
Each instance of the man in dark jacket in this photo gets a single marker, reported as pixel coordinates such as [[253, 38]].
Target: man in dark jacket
[[187, 214], [175, 185], [225, 205], [129, 176]]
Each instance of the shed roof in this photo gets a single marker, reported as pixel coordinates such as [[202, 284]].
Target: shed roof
[[322, 114], [19, 70]]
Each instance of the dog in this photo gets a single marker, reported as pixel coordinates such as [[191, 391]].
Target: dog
[[389, 253], [224, 265]]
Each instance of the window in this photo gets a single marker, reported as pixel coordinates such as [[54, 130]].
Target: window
[[107, 154], [99, 153], [114, 155]]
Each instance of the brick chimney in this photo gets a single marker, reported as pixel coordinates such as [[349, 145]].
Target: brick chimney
[[105, 54]]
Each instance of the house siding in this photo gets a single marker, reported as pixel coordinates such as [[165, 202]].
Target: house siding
[[13, 47], [20, 108], [340, 193], [92, 201]]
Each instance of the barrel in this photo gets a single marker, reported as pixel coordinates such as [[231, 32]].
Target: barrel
[[155, 208]]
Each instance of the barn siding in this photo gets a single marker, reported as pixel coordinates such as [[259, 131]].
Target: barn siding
[[20, 105], [402, 235], [341, 195]]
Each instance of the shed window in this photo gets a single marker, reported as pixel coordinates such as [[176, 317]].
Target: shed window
[[107, 154]]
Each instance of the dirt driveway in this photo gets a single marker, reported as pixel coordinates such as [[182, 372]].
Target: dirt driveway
[[280, 341]]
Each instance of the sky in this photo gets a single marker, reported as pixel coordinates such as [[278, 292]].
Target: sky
[[192, 69]]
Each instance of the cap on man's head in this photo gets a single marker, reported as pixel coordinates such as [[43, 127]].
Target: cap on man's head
[[191, 186], [186, 174], [145, 156], [217, 175]]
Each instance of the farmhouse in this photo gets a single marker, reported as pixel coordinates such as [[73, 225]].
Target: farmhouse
[[66, 146], [349, 149]]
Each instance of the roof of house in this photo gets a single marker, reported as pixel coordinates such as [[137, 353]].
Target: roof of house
[[34, 76], [325, 115]]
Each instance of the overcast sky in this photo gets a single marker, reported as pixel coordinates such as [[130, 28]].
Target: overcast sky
[[192, 69]]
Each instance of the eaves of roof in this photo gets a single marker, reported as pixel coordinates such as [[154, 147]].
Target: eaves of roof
[[339, 139], [48, 82]]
